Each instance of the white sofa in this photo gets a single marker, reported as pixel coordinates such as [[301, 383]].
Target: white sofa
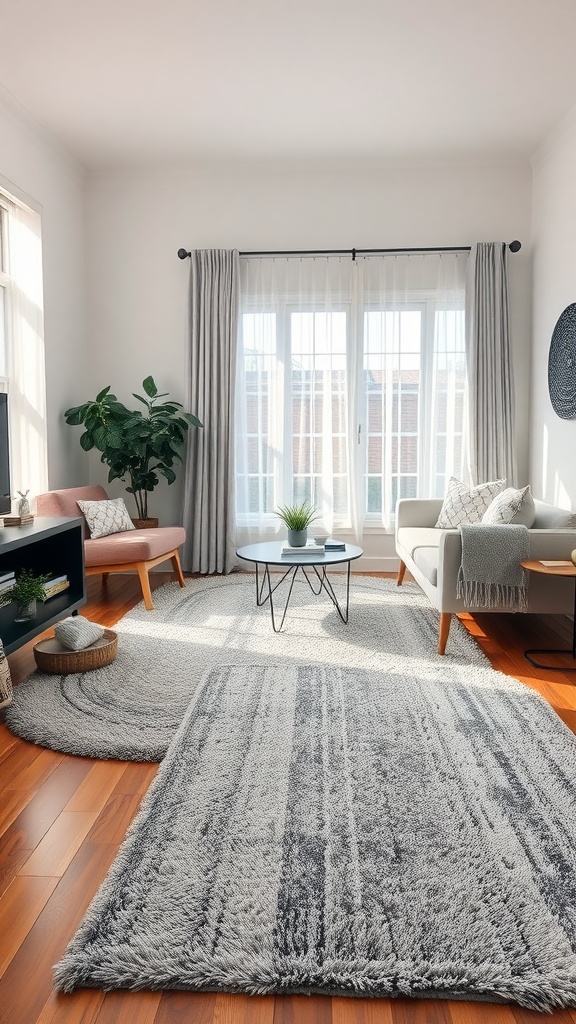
[[433, 558]]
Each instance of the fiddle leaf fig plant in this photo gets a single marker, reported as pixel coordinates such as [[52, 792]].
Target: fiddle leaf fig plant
[[136, 445]]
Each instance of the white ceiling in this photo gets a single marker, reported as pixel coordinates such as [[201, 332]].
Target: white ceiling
[[120, 82]]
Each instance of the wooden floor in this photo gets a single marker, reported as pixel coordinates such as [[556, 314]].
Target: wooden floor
[[63, 818]]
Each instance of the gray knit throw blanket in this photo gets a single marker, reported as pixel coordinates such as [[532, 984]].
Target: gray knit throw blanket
[[490, 575]]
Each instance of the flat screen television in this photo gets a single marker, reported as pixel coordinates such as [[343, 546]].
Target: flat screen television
[[5, 490]]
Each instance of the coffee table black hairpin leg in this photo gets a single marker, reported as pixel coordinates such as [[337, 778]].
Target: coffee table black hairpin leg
[[557, 668], [326, 585], [261, 598]]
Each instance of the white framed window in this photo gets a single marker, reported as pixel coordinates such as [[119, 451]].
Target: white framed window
[[22, 365], [351, 386]]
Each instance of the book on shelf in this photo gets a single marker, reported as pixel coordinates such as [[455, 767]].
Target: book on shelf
[[309, 548], [54, 590], [54, 580]]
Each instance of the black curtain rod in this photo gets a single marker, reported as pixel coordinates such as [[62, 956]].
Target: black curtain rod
[[514, 246]]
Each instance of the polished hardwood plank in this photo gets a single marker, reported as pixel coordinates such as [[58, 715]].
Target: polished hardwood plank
[[69, 815]]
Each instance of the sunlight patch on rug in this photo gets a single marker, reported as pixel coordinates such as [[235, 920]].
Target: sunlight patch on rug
[[132, 708]]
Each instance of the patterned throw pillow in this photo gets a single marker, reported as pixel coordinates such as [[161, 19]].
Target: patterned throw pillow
[[464, 504], [106, 517], [511, 506], [76, 633]]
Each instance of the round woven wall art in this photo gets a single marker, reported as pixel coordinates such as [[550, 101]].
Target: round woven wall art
[[562, 364]]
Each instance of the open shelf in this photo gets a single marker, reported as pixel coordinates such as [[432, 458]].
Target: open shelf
[[50, 545]]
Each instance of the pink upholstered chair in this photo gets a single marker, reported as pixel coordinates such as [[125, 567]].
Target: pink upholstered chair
[[135, 550]]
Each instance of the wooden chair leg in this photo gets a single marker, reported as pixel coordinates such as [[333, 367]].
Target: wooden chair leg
[[445, 620], [178, 568], [105, 576], [145, 584], [401, 571]]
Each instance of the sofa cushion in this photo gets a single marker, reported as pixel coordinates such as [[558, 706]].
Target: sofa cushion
[[511, 506], [464, 504], [134, 546], [427, 561], [422, 544], [106, 517], [549, 517]]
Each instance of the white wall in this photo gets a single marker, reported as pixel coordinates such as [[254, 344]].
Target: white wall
[[38, 172], [136, 222], [553, 440]]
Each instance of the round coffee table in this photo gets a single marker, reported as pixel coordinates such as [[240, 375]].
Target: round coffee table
[[270, 553]]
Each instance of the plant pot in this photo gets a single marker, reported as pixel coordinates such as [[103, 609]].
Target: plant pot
[[26, 611], [297, 538], [145, 524]]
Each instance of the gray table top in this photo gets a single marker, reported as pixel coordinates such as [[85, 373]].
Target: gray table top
[[269, 552]]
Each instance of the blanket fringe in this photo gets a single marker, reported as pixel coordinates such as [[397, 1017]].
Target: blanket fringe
[[491, 595]]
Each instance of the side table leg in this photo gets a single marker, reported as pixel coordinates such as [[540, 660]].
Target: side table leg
[[557, 668]]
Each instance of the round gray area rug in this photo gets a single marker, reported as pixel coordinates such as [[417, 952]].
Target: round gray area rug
[[132, 708]]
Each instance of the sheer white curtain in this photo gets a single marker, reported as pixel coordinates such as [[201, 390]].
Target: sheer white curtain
[[350, 386], [414, 398], [26, 372]]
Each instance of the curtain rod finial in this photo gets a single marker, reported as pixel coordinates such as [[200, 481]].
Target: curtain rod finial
[[183, 254], [515, 246]]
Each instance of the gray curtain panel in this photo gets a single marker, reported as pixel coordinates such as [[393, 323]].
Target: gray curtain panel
[[490, 379], [209, 472]]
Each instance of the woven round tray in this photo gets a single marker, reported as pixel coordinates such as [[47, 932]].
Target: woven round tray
[[51, 656]]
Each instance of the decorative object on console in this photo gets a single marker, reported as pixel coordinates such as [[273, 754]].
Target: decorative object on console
[[562, 364], [464, 504], [106, 517], [511, 506], [297, 519], [24, 509], [135, 447]]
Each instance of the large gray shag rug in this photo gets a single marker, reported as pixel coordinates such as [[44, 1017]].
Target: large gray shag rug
[[132, 708], [315, 829]]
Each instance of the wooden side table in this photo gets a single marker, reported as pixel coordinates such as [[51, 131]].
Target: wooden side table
[[554, 568]]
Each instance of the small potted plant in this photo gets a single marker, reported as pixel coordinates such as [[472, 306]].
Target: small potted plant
[[26, 591], [297, 518]]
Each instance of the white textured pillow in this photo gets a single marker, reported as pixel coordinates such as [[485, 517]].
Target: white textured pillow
[[511, 506], [76, 632], [464, 504], [106, 517]]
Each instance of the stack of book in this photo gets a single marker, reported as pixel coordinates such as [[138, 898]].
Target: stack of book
[[55, 585], [19, 520], [335, 545], [310, 548], [7, 580]]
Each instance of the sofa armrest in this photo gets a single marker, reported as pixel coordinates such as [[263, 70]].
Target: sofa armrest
[[417, 511], [552, 544]]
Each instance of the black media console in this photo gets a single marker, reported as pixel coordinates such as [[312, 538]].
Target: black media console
[[48, 546]]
